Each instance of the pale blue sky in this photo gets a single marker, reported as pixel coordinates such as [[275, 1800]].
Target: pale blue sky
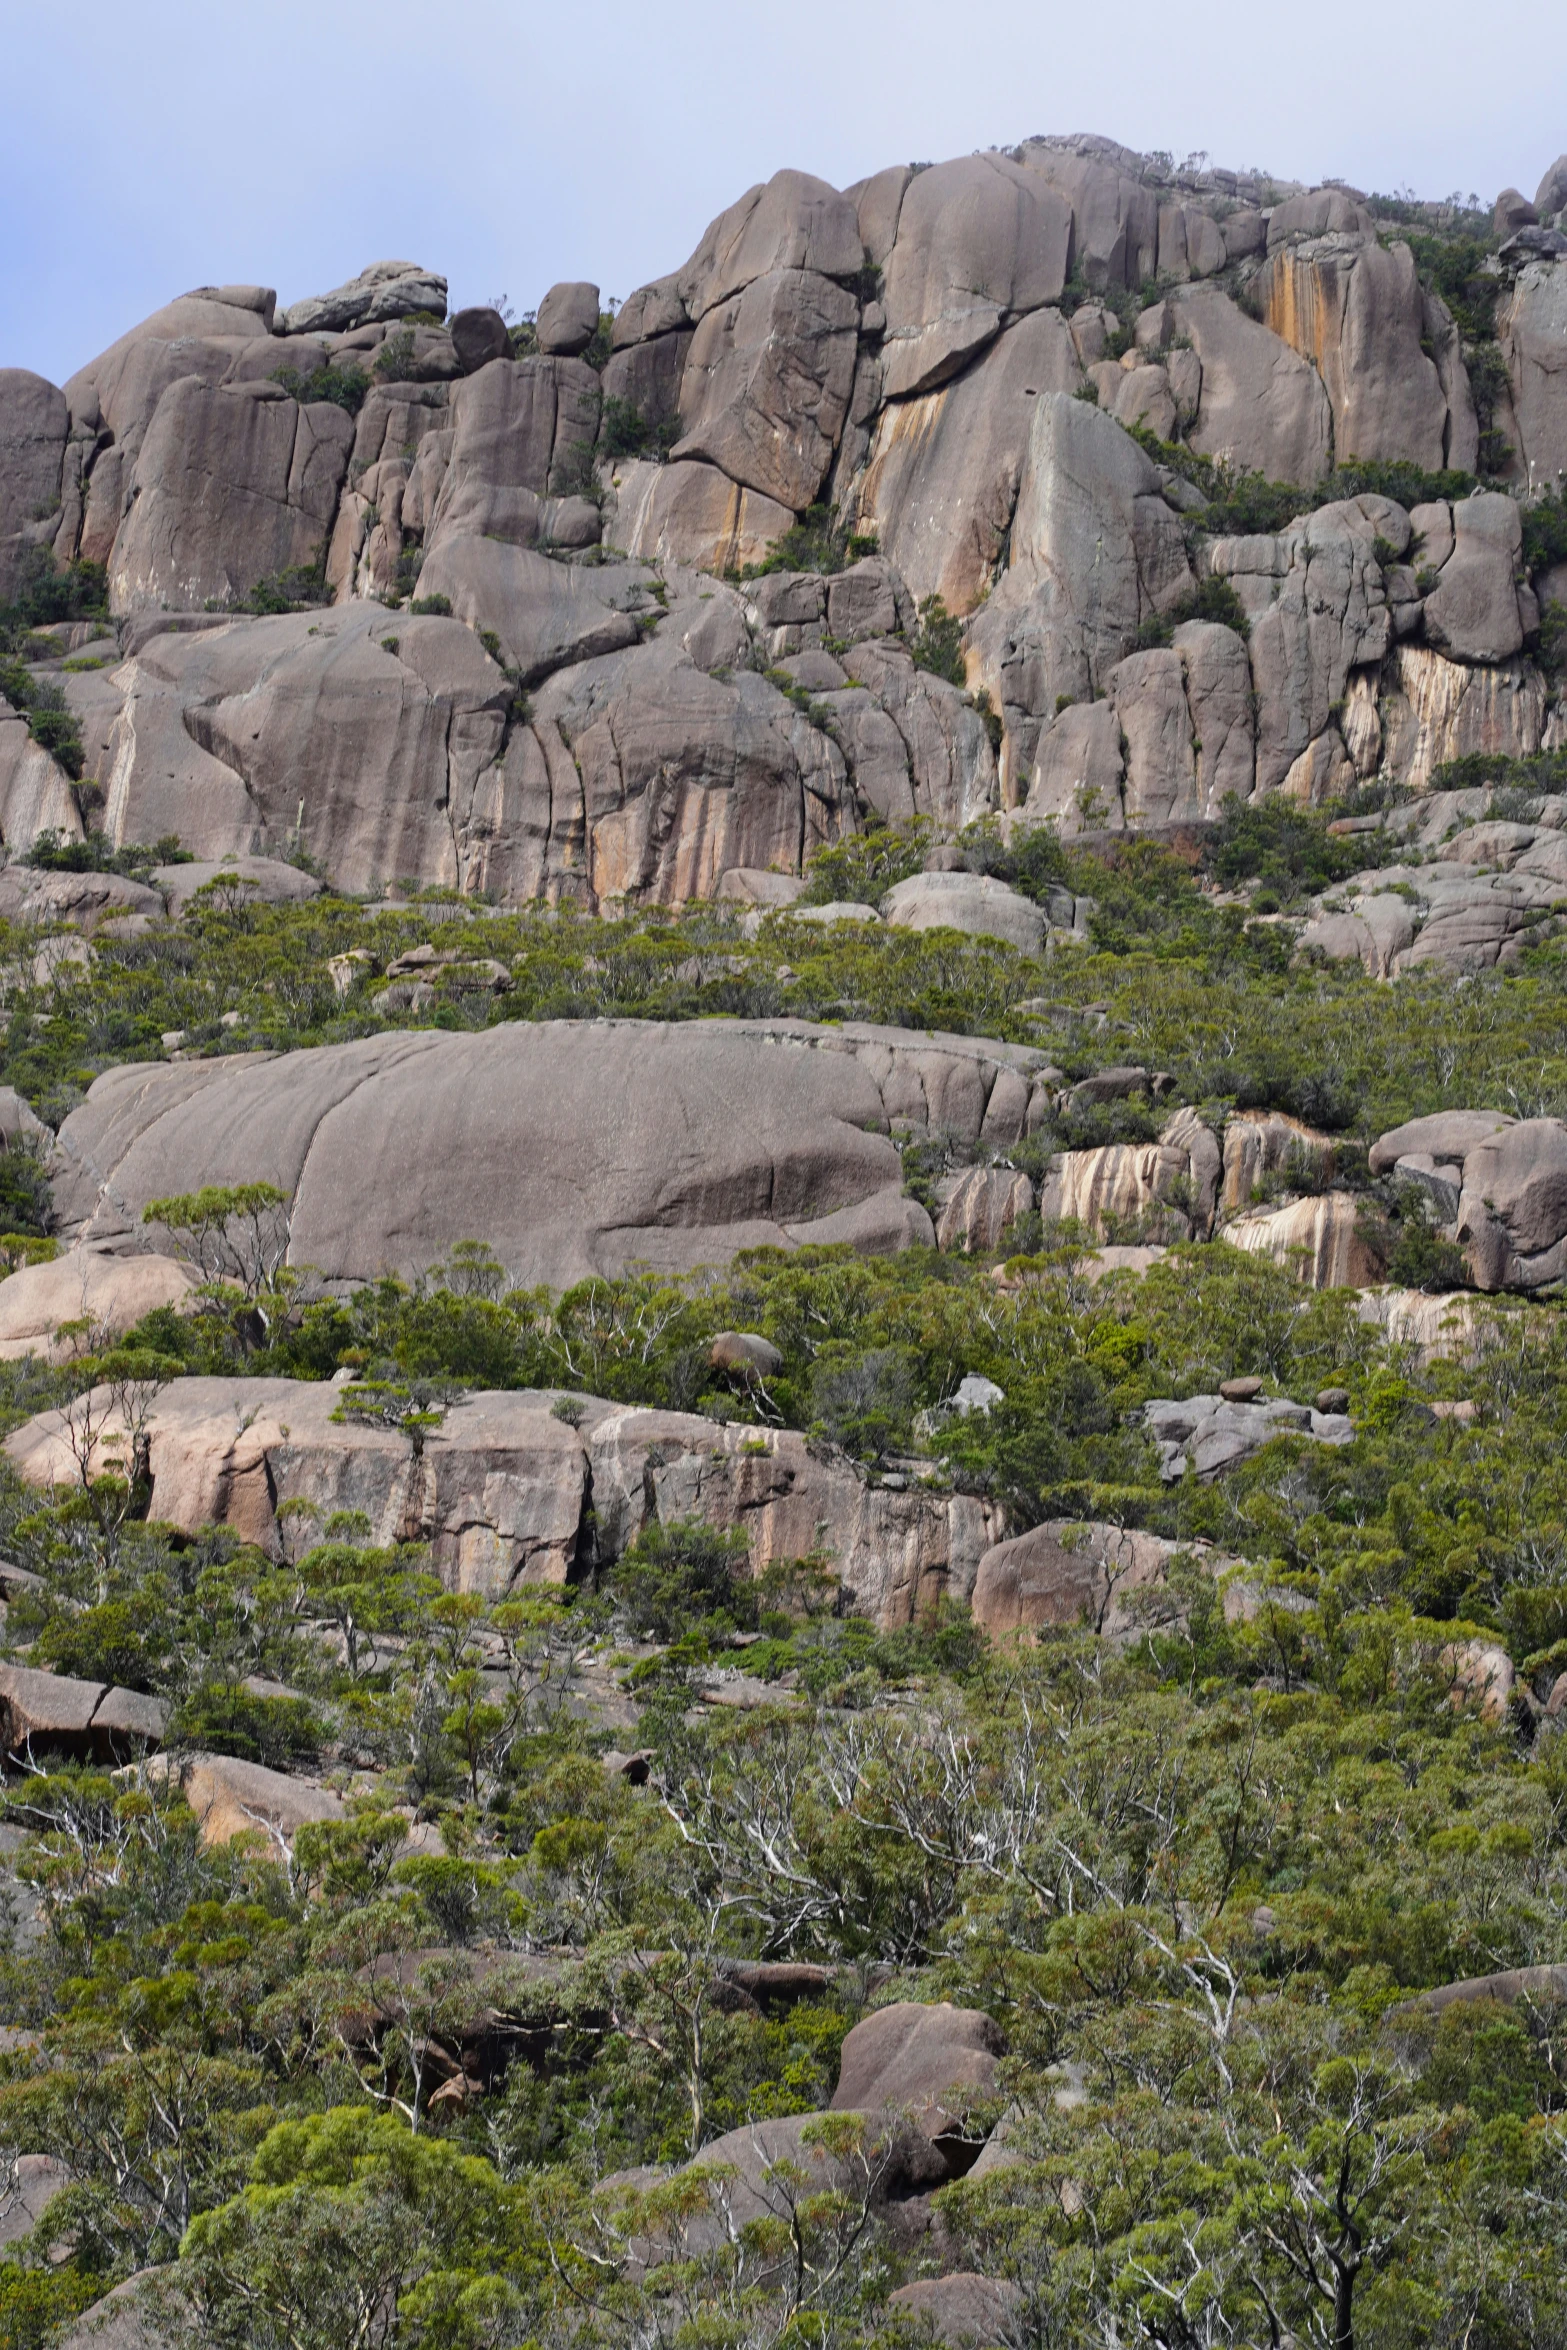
[[152, 145]]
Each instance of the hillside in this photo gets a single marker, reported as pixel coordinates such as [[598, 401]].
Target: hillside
[[783, 1196]]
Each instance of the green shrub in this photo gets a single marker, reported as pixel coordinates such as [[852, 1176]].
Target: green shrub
[[222, 1717], [937, 643], [299, 588], [345, 387], [817, 542], [625, 432], [861, 870], [1212, 599], [683, 1578], [435, 607]]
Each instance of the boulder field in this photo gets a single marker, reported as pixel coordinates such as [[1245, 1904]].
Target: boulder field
[[466, 604]]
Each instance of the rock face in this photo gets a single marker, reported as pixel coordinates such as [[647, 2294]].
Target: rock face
[[928, 358], [507, 1491], [574, 1148]]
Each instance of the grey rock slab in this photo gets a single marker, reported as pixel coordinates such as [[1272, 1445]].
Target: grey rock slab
[[977, 240], [1263, 408], [767, 382], [700, 1140], [231, 486], [387, 290]]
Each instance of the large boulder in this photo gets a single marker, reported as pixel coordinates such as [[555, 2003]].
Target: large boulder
[[767, 382], [96, 1286], [258, 881], [923, 2063], [971, 902], [232, 486], [140, 2314], [568, 318], [29, 2183], [964, 2311], [978, 241], [52, 1713], [795, 222], [1063, 1573], [574, 1148], [233, 1798], [1512, 1213], [546, 614], [387, 290]]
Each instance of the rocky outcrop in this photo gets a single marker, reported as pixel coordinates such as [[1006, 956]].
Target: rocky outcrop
[[1095, 550], [1497, 1185], [1323, 1241], [1208, 1434], [508, 1491], [1171, 1184], [573, 1148], [905, 354], [48, 1713]]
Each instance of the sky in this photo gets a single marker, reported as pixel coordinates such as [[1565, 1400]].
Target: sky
[[153, 147]]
